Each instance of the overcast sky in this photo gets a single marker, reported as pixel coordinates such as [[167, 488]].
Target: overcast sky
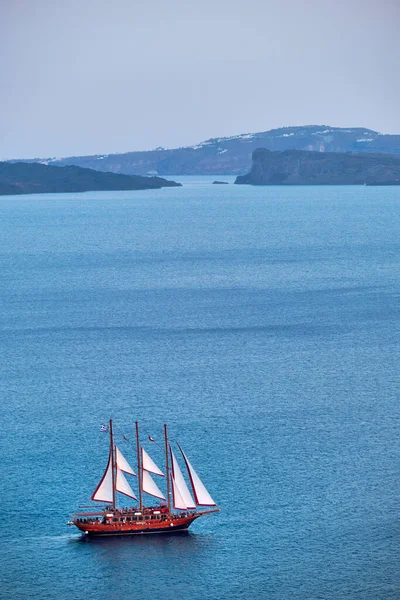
[[102, 76]]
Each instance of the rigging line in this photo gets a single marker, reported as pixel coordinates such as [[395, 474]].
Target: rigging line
[[133, 446], [153, 441], [126, 439]]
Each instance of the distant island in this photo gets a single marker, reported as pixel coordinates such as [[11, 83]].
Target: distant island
[[299, 167], [232, 155], [35, 178]]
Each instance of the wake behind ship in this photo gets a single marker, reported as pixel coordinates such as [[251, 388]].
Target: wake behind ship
[[176, 511]]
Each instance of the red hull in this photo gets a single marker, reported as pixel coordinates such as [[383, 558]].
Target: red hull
[[168, 526], [126, 522]]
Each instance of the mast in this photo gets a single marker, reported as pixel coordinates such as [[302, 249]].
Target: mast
[[139, 467], [112, 464], [167, 468]]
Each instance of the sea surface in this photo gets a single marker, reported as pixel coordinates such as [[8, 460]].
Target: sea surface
[[261, 324]]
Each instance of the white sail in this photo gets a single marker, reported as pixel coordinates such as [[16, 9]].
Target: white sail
[[122, 463], [181, 483], [104, 491], [122, 486], [149, 465], [177, 495], [150, 487], [201, 495]]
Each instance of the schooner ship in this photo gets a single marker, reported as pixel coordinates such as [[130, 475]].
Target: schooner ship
[[174, 513]]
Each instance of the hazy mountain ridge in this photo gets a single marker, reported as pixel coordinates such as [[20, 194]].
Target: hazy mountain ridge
[[34, 178], [298, 167], [232, 155]]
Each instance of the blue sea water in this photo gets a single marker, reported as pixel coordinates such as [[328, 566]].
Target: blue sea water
[[261, 324]]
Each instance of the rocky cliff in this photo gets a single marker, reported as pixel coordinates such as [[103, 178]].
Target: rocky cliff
[[297, 167]]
